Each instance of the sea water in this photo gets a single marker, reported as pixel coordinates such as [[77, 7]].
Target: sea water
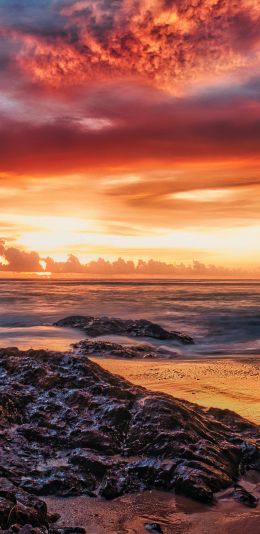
[[223, 316]]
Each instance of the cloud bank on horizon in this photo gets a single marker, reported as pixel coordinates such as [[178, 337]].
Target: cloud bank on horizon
[[127, 120], [14, 260]]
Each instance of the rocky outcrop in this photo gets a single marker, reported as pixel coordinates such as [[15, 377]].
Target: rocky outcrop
[[99, 326], [243, 496], [22, 512], [107, 349], [68, 427]]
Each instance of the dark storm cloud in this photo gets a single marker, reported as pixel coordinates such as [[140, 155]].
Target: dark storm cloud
[[35, 16]]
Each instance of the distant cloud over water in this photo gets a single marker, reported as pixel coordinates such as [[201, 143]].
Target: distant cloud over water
[[18, 261]]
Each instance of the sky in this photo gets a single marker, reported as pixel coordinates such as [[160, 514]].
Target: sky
[[130, 128]]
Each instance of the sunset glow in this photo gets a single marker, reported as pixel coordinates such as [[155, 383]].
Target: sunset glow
[[130, 129]]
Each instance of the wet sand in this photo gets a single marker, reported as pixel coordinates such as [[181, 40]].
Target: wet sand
[[175, 514], [223, 383]]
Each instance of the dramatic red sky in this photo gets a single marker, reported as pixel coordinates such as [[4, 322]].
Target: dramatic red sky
[[131, 128]]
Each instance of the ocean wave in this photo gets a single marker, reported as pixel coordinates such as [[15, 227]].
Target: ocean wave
[[221, 316]]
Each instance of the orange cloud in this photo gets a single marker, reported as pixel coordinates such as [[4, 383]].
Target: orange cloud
[[16, 260], [170, 44]]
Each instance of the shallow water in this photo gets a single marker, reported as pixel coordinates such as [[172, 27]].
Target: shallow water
[[40, 337], [222, 316]]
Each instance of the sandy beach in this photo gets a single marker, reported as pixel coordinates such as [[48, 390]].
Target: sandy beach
[[223, 383], [174, 513]]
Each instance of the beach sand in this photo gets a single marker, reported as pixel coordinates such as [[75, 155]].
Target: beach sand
[[174, 513], [223, 383]]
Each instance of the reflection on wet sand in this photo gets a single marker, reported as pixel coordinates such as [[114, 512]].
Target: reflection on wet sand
[[223, 383], [175, 514]]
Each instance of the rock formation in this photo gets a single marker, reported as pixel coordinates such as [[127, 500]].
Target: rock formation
[[106, 349], [99, 326], [68, 427]]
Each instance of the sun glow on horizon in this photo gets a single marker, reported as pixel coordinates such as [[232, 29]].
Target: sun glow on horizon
[[224, 244]]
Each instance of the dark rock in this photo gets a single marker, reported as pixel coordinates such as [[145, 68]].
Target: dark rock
[[25, 515], [155, 528], [86, 431], [91, 462], [67, 530], [62, 482], [5, 510], [53, 518], [242, 495], [251, 456], [106, 349], [99, 326], [25, 529], [193, 485], [19, 508]]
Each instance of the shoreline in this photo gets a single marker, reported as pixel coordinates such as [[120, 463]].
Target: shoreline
[[173, 513]]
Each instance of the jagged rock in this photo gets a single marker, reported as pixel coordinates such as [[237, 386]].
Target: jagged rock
[[19, 508], [20, 512], [99, 326], [115, 350], [5, 509], [242, 495], [24, 529], [68, 427]]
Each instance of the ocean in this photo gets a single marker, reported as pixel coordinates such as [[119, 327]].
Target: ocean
[[223, 316]]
